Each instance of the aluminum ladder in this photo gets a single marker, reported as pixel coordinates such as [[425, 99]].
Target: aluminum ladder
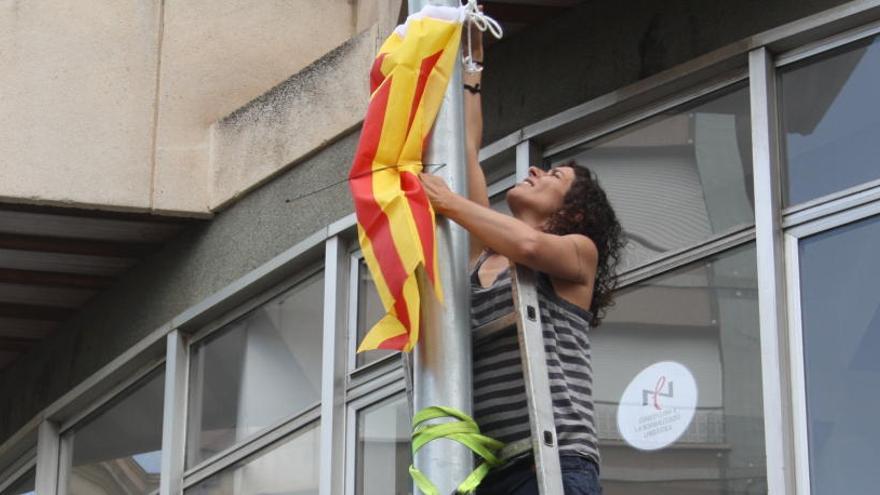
[[527, 318]]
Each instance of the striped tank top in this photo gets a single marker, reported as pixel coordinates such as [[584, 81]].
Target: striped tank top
[[500, 406]]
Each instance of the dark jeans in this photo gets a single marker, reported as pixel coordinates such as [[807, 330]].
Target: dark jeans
[[580, 476]]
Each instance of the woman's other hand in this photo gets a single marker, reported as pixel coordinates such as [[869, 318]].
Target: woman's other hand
[[438, 192]]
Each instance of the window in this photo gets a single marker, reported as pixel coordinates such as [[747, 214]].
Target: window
[[678, 382], [119, 450], [498, 195], [831, 121], [256, 370], [678, 178], [289, 467], [383, 449], [500, 173], [367, 312], [22, 486], [840, 312]]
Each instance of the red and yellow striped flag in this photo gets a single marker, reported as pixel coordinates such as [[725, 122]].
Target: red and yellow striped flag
[[396, 226]]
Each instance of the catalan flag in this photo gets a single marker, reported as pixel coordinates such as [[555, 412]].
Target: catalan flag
[[396, 225]]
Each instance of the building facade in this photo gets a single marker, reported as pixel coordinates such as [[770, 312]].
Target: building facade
[[738, 143]]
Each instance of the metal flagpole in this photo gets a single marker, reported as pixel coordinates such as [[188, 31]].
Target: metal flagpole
[[442, 358]]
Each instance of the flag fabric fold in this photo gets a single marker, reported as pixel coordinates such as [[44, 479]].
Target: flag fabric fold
[[395, 220]]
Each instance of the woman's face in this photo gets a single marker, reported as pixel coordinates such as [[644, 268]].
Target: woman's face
[[541, 194]]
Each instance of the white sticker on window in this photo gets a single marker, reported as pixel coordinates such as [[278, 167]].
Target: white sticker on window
[[657, 406]]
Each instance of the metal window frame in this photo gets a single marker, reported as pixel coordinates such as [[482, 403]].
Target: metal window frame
[[334, 362], [355, 406], [818, 215], [852, 197], [67, 431], [253, 447], [14, 473], [48, 458], [499, 187], [678, 258], [308, 263], [256, 302], [806, 210], [174, 414], [794, 315], [307, 273], [829, 43], [354, 296], [109, 398], [778, 409], [690, 95], [800, 439]]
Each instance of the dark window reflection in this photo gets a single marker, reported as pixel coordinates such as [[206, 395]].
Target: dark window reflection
[[24, 486], [678, 178], [255, 371], [704, 318], [840, 305], [831, 121], [119, 451]]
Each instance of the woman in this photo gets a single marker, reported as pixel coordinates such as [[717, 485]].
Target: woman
[[564, 228]]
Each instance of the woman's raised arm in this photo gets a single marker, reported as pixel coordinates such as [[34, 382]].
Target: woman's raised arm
[[473, 115]]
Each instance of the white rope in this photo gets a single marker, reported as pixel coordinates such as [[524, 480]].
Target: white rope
[[483, 23], [481, 20]]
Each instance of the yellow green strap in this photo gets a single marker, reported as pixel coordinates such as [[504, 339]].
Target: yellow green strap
[[464, 431]]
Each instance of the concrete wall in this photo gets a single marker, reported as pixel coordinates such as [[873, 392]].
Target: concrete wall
[[108, 103], [598, 47]]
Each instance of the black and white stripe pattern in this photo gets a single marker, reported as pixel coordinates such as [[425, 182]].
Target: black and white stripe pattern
[[500, 406]]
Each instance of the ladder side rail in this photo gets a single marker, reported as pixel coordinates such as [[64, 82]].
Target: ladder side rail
[[530, 335]]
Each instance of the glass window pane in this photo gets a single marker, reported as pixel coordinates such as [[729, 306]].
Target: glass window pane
[[678, 178], [24, 486], [119, 451], [288, 468], [499, 203], [257, 370], [678, 383], [831, 121], [383, 449], [500, 166], [840, 305], [369, 311]]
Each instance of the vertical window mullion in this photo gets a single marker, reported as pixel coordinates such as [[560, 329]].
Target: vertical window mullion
[[335, 366], [771, 282], [352, 317], [174, 415], [800, 440], [48, 455], [528, 154]]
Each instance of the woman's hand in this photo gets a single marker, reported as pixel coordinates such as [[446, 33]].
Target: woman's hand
[[439, 194]]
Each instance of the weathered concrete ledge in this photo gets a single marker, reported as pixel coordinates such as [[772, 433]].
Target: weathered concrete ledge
[[292, 120]]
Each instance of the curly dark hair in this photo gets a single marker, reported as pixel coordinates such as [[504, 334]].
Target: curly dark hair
[[586, 210]]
